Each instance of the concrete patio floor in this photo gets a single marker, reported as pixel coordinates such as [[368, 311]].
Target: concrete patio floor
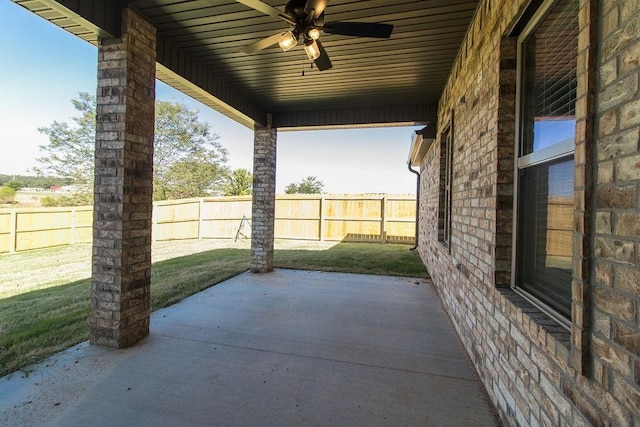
[[288, 348]]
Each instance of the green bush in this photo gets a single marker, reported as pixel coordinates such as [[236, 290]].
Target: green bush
[[16, 185], [49, 201], [7, 194], [78, 199]]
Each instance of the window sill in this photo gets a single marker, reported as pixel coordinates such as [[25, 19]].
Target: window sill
[[542, 328]]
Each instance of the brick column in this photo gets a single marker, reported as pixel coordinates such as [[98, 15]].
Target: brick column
[[264, 199], [120, 297]]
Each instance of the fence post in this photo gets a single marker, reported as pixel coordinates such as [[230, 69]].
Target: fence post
[[200, 219], [321, 216], [383, 226], [154, 221], [72, 240], [13, 232]]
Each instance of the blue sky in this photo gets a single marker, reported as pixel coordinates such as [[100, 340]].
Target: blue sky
[[42, 68]]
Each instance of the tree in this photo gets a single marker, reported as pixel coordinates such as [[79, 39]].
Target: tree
[[15, 184], [238, 183], [188, 158], [309, 185], [32, 181], [188, 178], [69, 153], [7, 194]]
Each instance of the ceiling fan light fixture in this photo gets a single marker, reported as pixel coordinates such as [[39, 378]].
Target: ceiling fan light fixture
[[312, 49], [313, 34], [306, 20], [287, 41]]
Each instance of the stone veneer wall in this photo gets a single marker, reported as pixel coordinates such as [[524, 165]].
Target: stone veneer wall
[[616, 287], [121, 276], [263, 199], [535, 371]]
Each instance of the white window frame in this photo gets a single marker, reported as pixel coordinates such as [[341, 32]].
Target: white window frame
[[445, 209], [546, 155]]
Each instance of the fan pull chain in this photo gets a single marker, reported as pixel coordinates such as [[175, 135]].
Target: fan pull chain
[[303, 69]]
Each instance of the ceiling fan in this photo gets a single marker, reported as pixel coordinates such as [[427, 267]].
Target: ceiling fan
[[306, 18]]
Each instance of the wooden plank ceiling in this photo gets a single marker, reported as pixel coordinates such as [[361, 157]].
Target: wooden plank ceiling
[[373, 81]]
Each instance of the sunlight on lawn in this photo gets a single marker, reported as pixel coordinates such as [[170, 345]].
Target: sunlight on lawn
[[28, 271], [45, 294]]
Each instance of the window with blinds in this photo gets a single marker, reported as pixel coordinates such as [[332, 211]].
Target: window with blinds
[[547, 94], [446, 177]]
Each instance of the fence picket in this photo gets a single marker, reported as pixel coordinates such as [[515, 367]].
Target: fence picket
[[381, 218]]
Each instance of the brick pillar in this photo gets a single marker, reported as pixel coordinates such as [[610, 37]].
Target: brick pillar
[[264, 199], [120, 297]]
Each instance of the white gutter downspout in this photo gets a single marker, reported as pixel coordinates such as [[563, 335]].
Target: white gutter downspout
[[420, 144], [415, 244]]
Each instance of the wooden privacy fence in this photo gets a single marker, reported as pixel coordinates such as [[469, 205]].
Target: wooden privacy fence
[[351, 218], [24, 229]]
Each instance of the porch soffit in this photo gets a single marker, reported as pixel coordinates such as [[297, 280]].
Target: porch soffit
[[373, 82]]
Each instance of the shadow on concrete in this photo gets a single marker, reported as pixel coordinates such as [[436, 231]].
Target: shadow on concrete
[[286, 348]]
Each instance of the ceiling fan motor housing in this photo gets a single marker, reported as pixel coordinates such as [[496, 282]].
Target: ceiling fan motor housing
[[295, 10], [306, 17]]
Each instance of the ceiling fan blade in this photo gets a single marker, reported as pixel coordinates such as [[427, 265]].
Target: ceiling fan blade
[[317, 6], [322, 62], [263, 44], [267, 10], [359, 29]]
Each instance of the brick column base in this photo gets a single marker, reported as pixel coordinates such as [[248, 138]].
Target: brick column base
[[121, 276], [264, 200]]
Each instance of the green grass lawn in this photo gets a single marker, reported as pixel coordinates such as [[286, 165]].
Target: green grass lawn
[[45, 294]]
